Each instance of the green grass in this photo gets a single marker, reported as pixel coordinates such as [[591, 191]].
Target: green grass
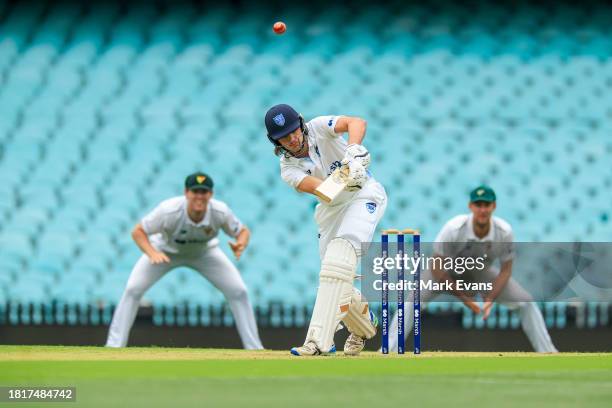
[[159, 377]]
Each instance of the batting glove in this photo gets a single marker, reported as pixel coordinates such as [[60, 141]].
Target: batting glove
[[356, 176], [356, 152]]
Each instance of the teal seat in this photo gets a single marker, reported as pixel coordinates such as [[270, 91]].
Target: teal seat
[[183, 81], [81, 52], [46, 103], [39, 197], [72, 299], [121, 198], [63, 80], [22, 294], [7, 192], [28, 290], [56, 246], [8, 50], [205, 42], [124, 41], [16, 246], [65, 222], [97, 247], [194, 55], [141, 164], [162, 294], [108, 292], [105, 112]]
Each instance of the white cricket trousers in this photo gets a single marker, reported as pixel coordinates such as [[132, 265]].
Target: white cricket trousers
[[212, 264], [355, 221]]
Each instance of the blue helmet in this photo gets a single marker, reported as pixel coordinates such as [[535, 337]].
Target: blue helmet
[[280, 121]]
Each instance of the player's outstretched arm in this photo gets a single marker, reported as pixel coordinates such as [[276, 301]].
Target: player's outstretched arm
[[499, 284], [355, 151], [141, 239], [356, 128], [309, 184], [242, 241]]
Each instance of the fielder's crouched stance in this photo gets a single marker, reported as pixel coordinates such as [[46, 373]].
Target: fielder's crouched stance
[[183, 232], [310, 152], [478, 230]]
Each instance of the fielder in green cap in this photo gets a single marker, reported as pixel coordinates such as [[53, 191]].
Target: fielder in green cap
[[482, 205], [482, 193], [471, 235], [182, 232]]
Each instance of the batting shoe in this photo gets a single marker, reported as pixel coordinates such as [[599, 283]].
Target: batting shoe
[[354, 343], [310, 349]]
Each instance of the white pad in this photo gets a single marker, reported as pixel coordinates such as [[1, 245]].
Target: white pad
[[334, 294], [357, 320]]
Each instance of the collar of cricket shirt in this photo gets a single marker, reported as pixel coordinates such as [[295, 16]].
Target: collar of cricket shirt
[[205, 221], [471, 236]]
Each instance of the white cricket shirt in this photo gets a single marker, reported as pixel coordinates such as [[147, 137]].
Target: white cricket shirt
[[171, 230], [456, 235], [326, 150]]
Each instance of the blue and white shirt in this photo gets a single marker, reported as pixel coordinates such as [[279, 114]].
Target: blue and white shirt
[[326, 150]]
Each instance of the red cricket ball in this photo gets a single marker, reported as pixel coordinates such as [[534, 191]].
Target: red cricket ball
[[279, 27]]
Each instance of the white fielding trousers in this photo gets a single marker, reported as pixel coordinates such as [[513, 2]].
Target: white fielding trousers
[[213, 265]]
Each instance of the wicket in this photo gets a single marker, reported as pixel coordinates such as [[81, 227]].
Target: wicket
[[416, 249]]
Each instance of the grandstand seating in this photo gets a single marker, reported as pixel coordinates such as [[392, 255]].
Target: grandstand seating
[[105, 109]]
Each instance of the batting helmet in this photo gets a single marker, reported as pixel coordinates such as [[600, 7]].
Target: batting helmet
[[280, 121]]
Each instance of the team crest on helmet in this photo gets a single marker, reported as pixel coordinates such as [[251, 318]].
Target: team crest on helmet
[[279, 119], [200, 179], [371, 207]]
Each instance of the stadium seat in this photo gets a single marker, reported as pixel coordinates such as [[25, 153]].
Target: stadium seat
[[106, 109]]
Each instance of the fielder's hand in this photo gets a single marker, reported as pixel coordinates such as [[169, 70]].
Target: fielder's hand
[[358, 153], [237, 249], [486, 309], [357, 175], [472, 305], [158, 258]]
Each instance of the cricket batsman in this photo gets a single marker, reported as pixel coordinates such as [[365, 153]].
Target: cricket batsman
[[309, 152], [495, 234], [182, 231]]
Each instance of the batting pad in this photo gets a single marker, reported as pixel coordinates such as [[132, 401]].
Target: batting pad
[[334, 294], [357, 320]]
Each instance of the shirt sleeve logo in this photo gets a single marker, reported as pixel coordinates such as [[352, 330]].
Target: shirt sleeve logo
[[371, 207], [334, 166]]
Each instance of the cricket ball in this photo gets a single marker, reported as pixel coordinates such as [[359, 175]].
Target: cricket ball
[[279, 27]]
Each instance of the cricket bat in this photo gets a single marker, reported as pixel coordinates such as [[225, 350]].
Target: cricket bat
[[333, 185]]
